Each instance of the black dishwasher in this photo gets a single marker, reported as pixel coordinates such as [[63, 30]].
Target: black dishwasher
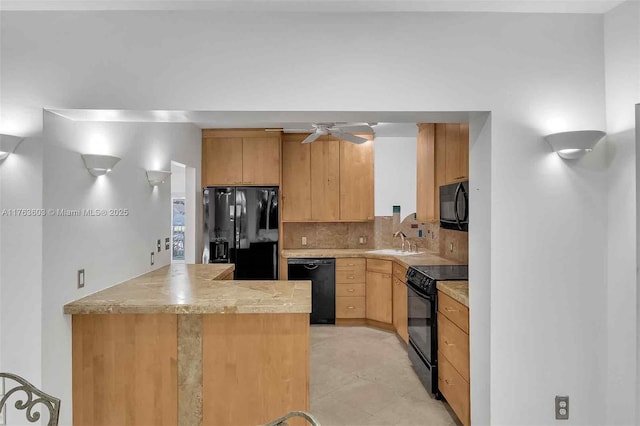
[[322, 274]]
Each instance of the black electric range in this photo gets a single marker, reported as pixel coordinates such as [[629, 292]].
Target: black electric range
[[422, 311]]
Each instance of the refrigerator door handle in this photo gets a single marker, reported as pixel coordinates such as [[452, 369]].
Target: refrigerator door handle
[[275, 261], [205, 231]]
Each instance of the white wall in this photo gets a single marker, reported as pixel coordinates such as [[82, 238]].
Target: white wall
[[622, 72], [395, 175], [536, 73], [21, 266], [110, 249]]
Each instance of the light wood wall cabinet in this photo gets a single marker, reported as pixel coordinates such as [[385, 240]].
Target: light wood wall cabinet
[[326, 181], [350, 288], [400, 322], [356, 181], [453, 355], [442, 157], [379, 291], [296, 179], [240, 157]]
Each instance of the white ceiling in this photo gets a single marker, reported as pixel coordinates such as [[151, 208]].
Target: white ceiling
[[347, 6]]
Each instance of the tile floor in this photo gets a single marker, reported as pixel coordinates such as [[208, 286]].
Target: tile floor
[[362, 376]]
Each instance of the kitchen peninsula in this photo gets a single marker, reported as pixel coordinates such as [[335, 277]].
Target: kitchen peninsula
[[186, 345]]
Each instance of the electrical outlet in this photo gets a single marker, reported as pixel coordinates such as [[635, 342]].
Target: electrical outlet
[[80, 278], [304, 241], [362, 240], [167, 243], [152, 258], [562, 407], [159, 246], [451, 247]]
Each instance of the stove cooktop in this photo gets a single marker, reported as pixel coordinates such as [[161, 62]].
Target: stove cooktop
[[444, 272]]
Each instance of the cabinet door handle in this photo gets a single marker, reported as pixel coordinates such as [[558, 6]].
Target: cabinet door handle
[[450, 310], [350, 277], [351, 264], [351, 307], [448, 344]]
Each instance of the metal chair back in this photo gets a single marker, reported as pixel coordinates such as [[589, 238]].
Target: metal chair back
[[31, 398]]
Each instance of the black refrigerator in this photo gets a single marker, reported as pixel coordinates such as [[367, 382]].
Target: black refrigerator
[[241, 227]]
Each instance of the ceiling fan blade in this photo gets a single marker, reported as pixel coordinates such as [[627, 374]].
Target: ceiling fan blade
[[354, 128], [298, 130], [349, 137], [312, 137]]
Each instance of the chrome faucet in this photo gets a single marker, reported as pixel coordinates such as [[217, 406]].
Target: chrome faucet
[[402, 236]]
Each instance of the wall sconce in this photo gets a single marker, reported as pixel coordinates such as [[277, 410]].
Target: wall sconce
[[573, 145], [99, 165], [156, 177], [8, 145]]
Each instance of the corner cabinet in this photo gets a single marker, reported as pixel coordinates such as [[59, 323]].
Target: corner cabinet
[[240, 157], [329, 180], [442, 153], [400, 320]]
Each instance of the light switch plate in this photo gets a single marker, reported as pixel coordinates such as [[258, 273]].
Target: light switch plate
[[159, 245]]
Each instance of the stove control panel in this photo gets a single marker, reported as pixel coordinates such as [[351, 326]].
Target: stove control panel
[[421, 281]]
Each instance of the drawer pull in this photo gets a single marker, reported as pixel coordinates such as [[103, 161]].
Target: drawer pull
[[351, 264], [448, 344], [350, 277], [351, 290], [351, 307], [450, 310], [448, 382]]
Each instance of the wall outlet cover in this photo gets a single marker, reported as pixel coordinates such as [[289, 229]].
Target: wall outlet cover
[[304, 241], [562, 407], [167, 243], [80, 278], [159, 245]]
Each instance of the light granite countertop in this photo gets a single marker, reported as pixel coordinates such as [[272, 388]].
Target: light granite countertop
[[424, 258], [457, 290], [195, 289]]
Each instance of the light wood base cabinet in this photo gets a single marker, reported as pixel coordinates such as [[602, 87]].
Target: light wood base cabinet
[[350, 288], [453, 355], [379, 290], [400, 301], [189, 369]]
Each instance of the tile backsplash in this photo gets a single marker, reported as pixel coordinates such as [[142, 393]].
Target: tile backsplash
[[328, 235], [378, 234]]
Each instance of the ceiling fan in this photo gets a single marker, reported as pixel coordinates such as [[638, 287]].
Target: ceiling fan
[[342, 131]]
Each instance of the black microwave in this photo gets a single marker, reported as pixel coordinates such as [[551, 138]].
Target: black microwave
[[454, 206]]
